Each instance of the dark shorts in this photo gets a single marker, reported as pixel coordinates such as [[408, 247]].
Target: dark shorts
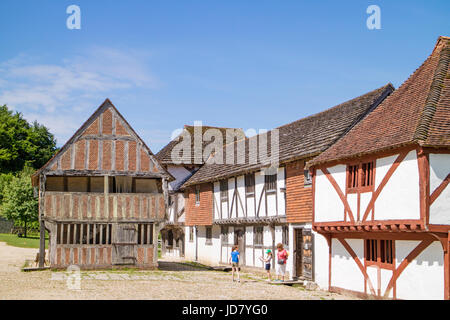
[[235, 264], [267, 266]]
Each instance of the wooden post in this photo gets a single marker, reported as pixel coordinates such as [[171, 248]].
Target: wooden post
[[41, 221], [41, 243], [447, 270]]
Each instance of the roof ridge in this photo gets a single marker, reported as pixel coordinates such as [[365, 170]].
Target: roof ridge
[[389, 84], [434, 94]]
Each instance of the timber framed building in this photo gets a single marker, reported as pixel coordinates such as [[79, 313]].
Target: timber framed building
[[381, 195], [182, 164], [102, 197], [245, 205]]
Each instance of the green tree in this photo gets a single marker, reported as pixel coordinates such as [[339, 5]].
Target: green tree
[[23, 144], [19, 204]]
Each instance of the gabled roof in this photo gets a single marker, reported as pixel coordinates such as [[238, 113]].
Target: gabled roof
[[301, 139], [165, 154], [418, 112], [86, 126]]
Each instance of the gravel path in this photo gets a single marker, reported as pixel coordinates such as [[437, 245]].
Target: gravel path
[[172, 281]]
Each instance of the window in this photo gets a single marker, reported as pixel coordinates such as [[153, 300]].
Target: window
[[258, 239], [209, 235], [197, 195], [360, 177], [224, 235], [250, 184], [83, 233], [380, 252], [352, 177], [285, 235], [116, 184], [224, 190], [308, 178], [367, 174], [191, 234], [270, 182], [145, 233]]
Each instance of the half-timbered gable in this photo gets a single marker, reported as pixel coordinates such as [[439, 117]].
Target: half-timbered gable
[[255, 207], [381, 195], [102, 195], [182, 165]]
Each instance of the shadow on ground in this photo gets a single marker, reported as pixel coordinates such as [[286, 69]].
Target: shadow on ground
[[177, 266]]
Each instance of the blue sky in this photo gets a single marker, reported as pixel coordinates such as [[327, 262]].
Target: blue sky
[[245, 64]]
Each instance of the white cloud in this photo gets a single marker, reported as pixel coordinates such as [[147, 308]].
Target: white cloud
[[57, 94]]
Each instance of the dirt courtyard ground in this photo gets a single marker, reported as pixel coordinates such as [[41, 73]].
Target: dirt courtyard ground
[[171, 281]]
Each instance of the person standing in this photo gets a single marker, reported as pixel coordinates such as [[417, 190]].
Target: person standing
[[282, 256], [267, 264], [234, 260]]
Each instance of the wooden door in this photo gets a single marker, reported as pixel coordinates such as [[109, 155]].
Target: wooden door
[[298, 252], [308, 254], [124, 244], [239, 240]]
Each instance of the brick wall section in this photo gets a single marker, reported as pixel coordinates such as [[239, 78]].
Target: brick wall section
[[201, 215], [107, 122], [80, 154], [298, 197], [93, 128]]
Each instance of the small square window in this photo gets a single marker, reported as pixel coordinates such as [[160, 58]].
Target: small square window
[[197, 196], [308, 178]]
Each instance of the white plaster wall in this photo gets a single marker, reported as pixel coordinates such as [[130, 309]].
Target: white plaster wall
[[352, 199], [225, 206], [271, 205], [400, 198], [251, 206], [281, 183], [259, 184], [364, 202], [208, 254], [231, 201], [386, 276], [249, 236], [267, 236], [439, 169], [189, 247], [328, 205], [321, 260], [216, 200], [241, 191], [344, 271], [372, 273], [423, 278]]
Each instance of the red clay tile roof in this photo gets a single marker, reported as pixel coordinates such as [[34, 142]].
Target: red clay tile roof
[[302, 138], [418, 112]]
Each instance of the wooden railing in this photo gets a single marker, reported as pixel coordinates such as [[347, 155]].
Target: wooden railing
[[104, 207]]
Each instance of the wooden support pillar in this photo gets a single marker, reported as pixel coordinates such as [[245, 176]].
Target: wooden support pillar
[[447, 269], [41, 243], [41, 221]]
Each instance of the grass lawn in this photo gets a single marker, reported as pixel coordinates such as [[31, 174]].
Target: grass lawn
[[14, 240]]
